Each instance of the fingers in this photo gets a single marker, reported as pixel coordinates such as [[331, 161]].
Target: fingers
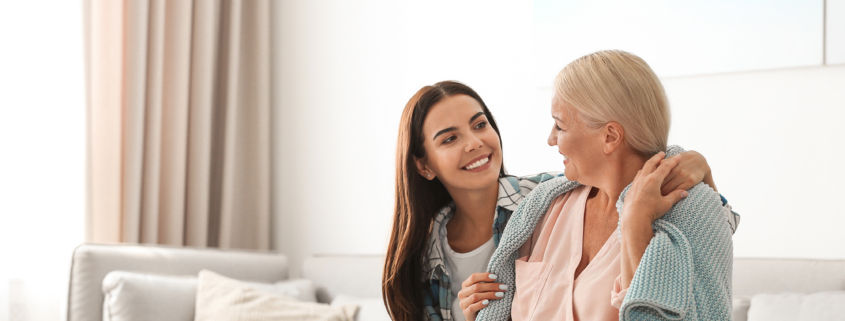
[[671, 183], [478, 277], [481, 288], [652, 163], [479, 297], [471, 311], [677, 196], [663, 170]]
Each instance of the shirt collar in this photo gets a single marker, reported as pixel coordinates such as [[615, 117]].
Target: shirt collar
[[509, 193]]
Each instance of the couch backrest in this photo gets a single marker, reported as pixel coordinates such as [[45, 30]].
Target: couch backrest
[[355, 275], [92, 262], [752, 276]]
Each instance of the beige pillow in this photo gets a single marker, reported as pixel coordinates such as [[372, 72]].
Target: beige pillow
[[225, 299]]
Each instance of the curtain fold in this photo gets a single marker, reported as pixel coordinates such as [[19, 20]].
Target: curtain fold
[[179, 122]]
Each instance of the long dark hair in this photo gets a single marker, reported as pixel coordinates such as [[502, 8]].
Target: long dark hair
[[417, 202]]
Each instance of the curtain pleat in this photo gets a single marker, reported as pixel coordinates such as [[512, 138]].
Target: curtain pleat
[[174, 131], [135, 88], [151, 180], [206, 20], [246, 170], [179, 122]]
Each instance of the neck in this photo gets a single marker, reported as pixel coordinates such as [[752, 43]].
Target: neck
[[619, 174], [474, 208]]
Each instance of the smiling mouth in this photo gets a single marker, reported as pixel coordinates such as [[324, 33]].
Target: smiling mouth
[[478, 163]]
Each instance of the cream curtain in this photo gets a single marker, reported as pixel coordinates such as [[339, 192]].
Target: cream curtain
[[178, 119]]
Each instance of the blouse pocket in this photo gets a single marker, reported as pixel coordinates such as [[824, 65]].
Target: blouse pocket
[[531, 278]]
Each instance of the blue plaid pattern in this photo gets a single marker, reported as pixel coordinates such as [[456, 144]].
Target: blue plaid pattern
[[437, 282]]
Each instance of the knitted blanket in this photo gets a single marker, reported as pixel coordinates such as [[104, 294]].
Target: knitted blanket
[[685, 273]]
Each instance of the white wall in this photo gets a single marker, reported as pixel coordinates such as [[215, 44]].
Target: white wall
[[681, 38], [776, 143], [343, 71], [42, 163]]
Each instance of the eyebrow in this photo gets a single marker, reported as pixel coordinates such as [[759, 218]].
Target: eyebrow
[[455, 128], [556, 118]]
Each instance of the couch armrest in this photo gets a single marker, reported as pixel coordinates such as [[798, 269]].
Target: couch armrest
[[91, 263]]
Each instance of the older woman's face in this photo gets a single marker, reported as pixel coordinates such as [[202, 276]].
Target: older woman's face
[[582, 149]]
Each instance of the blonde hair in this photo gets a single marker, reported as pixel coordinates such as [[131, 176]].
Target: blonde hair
[[617, 86]]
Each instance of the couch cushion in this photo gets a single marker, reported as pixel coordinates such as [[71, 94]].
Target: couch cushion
[[222, 298], [820, 306], [740, 308], [139, 296]]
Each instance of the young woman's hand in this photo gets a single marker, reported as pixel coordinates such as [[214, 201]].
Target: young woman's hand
[[477, 291], [645, 201], [692, 169]]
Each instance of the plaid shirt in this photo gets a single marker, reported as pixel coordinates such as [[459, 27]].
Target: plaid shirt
[[437, 282]]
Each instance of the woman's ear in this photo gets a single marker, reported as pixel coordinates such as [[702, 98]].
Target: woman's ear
[[614, 137], [422, 168]]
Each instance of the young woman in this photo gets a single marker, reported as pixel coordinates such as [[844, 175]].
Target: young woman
[[453, 201]]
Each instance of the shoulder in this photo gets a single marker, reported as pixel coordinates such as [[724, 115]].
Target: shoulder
[[700, 214], [512, 189]]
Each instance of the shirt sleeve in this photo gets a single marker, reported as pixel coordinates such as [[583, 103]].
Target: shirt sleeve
[[732, 217], [617, 295]]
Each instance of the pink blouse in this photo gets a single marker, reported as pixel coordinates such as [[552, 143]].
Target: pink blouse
[[546, 287]]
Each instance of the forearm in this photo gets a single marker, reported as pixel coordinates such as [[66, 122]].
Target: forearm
[[636, 235]]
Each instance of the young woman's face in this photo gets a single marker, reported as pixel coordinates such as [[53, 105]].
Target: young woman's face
[[581, 148], [462, 149]]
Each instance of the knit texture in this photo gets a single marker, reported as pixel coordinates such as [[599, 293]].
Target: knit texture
[[685, 273]]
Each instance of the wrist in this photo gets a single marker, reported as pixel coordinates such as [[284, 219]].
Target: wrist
[[636, 219], [637, 230], [708, 179]]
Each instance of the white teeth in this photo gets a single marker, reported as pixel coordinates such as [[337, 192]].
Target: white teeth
[[479, 163]]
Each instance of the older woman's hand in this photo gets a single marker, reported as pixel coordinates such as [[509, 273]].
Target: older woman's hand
[[644, 200], [692, 169]]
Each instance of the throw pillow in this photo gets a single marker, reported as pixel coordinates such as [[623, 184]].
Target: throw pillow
[[223, 299], [136, 296], [369, 309]]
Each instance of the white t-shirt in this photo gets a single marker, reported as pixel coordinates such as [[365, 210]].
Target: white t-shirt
[[461, 265]]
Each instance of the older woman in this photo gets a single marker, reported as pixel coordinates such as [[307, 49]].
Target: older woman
[[672, 255]]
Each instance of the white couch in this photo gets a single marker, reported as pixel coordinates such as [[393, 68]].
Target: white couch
[[356, 276], [360, 276]]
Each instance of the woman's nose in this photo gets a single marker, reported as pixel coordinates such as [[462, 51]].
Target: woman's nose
[[552, 138], [474, 144]]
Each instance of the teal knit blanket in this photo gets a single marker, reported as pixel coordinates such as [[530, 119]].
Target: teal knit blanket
[[685, 273]]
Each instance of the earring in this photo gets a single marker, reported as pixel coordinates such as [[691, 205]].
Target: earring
[[429, 175]]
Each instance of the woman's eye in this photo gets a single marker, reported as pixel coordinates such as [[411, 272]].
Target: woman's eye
[[558, 127], [481, 125], [449, 139]]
